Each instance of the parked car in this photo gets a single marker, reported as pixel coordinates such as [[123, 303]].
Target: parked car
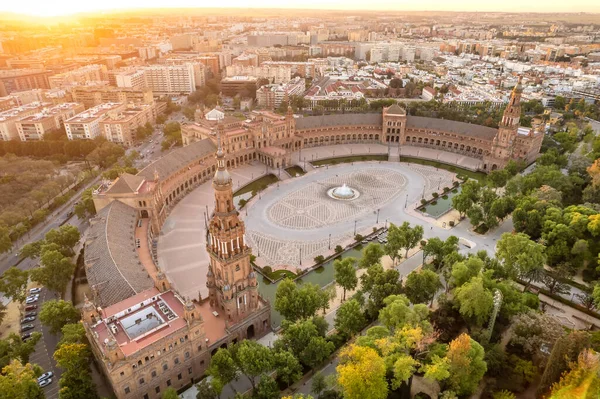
[[45, 383], [26, 336], [26, 327], [27, 319], [30, 307], [45, 376], [36, 290], [30, 314], [31, 300]]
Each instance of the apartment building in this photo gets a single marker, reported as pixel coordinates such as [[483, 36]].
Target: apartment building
[[91, 96], [120, 127], [231, 86], [275, 74], [171, 79], [23, 79], [132, 78], [79, 76], [271, 96], [86, 125], [9, 118], [34, 127], [199, 68], [304, 69]]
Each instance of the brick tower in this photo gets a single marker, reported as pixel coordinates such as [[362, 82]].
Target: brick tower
[[232, 284], [505, 140]]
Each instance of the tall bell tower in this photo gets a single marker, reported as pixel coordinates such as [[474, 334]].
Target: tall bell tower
[[503, 144], [232, 284]]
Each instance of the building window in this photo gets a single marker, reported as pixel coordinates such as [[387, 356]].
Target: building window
[[176, 361], [153, 373], [122, 373], [179, 376], [142, 381], [127, 390], [237, 268], [199, 348], [157, 389], [168, 383], [146, 396], [165, 367], [190, 370], [187, 355]]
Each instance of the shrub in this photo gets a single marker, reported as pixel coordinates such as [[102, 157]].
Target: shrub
[[455, 182], [423, 209], [374, 229], [319, 270], [358, 238], [455, 190], [435, 195], [446, 189], [423, 243], [423, 201], [338, 249], [242, 203], [451, 223], [444, 196], [433, 202], [319, 259], [267, 270]]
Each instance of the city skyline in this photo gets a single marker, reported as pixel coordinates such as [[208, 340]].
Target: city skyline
[[39, 8]]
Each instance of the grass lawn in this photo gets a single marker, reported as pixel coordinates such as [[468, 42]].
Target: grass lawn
[[480, 176], [295, 170], [348, 159], [277, 274], [257, 185]]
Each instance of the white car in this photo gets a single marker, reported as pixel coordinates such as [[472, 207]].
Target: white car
[[35, 290], [45, 383], [30, 300], [45, 376]]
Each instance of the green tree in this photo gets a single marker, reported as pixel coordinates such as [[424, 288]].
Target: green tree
[[379, 284], [19, 382], [5, 241], [466, 365], [439, 249], [267, 388], [296, 302], [55, 314], [475, 301], [55, 273], [189, 113], [410, 236], [76, 381], [13, 347], [170, 393], [287, 367], [318, 384], [66, 236], [520, 256], [420, 287], [582, 381], [31, 250], [464, 271], [72, 333], [345, 274], [398, 313], [105, 154], [223, 369], [396, 242], [362, 373], [303, 340], [370, 255], [85, 206], [349, 318], [13, 283], [206, 391], [252, 359]]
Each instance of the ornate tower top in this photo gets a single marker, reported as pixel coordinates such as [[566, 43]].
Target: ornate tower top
[[222, 176], [512, 113]]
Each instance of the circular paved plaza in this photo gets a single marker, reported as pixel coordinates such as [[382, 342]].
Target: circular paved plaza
[[296, 220]]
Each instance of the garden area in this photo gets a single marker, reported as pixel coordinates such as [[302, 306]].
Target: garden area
[[439, 205], [244, 194], [295, 171], [350, 159], [465, 173]]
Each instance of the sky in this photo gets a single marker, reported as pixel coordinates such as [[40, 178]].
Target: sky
[[68, 7]]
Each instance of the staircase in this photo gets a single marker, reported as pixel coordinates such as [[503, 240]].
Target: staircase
[[394, 154]]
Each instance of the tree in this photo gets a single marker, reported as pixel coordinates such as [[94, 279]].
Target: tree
[[398, 312], [296, 302], [469, 195], [19, 382], [206, 391], [105, 154], [56, 314], [535, 332], [72, 333], [85, 207], [362, 373], [55, 273], [13, 347], [421, 287], [475, 301], [76, 381], [223, 369], [66, 236], [170, 393], [287, 367], [349, 318], [465, 364], [380, 284], [410, 237], [464, 271], [189, 113], [5, 241], [318, 384], [31, 250], [13, 283], [582, 381], [440, 249], [252, 359], [370, 255], [520, 256], [395, 243], [267, 388], [303, 340], [345, 274], [498, 178]]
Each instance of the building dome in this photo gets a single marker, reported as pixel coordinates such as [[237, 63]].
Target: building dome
[[222, 176], [343, 192]]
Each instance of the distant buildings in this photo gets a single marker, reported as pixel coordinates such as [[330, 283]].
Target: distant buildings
[[86, 125], [80, 76], [231, 86], [271, 96], [91, 96], [171, 79], [34, 127], [9, 119]]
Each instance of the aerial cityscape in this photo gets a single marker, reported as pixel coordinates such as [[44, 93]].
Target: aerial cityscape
[[316, 200]]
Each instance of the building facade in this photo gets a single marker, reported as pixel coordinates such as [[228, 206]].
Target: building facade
[[86, 125], [34, 127], [91, 96]]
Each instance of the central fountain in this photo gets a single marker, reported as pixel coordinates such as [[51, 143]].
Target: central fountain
[[343, 193]]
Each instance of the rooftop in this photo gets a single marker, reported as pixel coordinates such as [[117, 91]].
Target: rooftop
[[93, 113], [468, 129], [310, 122]]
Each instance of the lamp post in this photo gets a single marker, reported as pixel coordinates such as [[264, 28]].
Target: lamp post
[[385, 225], [329, 240], [377, 222], [354, 226], [406, 201], [300, 255]]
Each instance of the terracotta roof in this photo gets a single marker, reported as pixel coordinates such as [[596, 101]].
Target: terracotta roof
[[125, 184], [467, 129], [395, 109], [177, 159], [113, 268], [310, 122]]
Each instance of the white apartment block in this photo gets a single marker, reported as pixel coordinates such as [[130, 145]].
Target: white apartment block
[[170, 79], [33, 127], [135, 78], [271, 96], [9, 118], [86, 125], [79, 76], [275, 74], [120, 127]]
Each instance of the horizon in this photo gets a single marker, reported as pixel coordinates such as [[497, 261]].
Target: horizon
[[69, 9]]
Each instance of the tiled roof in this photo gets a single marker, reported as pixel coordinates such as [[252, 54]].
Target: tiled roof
[[177, 159], [113, 269], [310, 122], [125, 184], [395, 109], [467, 129]]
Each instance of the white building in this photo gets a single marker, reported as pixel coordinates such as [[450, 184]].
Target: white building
[[9, 118], [34, 127], [134, 78], [86, 125], [170, 79]]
